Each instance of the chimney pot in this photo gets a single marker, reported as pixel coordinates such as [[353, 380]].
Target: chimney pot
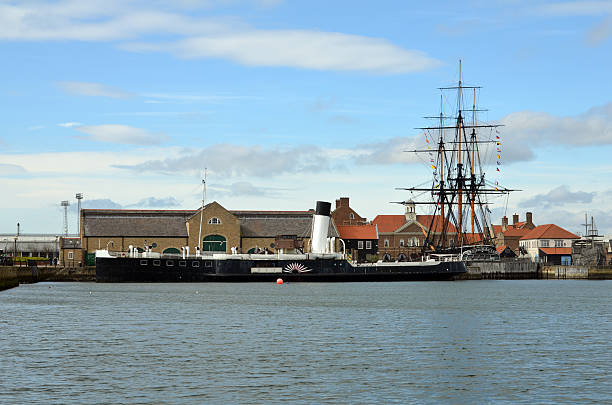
[[515, 219]]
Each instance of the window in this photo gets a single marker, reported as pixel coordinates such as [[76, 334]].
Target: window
[[351, 216], [156, 262], [195, 264], [143, 262], [544, 243], [558, 243], [416, 242], [360, 244], [368, 244], [214, 221], [169, 263], [207, 263], [386, 243], [401, 242], [183, 263], [70, 255]]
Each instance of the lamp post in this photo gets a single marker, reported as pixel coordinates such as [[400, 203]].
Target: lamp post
[[15, 251]]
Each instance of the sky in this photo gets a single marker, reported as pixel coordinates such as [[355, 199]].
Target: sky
[[288, 102]]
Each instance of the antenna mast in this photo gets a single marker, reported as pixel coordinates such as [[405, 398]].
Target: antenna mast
[[202, 210], [65, 204]]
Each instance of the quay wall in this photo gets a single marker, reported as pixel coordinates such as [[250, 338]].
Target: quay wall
[[503, 270], [12, 276]]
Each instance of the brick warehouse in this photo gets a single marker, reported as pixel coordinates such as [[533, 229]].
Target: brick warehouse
[[221, 230]]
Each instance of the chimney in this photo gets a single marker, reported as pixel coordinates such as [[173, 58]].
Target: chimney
[[529, 218], [337, 203], [504, 223], [344, 201], [515, 219]]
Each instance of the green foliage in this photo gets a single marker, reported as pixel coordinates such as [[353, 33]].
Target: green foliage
[[25, 259]]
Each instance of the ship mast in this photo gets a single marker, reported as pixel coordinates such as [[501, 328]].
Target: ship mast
[[441, 164], [456, 191], [459, 164], [473, 158]]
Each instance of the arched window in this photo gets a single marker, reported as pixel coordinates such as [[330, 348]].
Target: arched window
[[214, 221], [351, 216], [214, 243]]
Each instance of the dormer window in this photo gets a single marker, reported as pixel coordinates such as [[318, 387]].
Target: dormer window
[[351, 216], [214, 221]]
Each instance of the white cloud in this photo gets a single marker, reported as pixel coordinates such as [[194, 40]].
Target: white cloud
[[526, 130], [69, 124], [198, 37], [301, 49], [243, 189], [11, 170], [92, 89], [559, 196], [573, 8], [155, 202], [600, 32], [124, 134], [238, 160]]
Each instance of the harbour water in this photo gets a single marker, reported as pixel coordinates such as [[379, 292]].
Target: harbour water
[[528, 341]]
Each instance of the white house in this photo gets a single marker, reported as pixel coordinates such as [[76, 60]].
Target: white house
[[548, 244]]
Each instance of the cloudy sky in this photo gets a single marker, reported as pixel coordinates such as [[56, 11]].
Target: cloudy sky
[[288, 102]]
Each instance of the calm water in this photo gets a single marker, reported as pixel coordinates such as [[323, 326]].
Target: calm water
[[533, 341]]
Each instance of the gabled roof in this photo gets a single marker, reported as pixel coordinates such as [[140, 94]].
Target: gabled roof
[[358, 231], [270, 224], [135, 223], [557, 251], [438, 223], [501, 249], [389, 223], [549, 231], [518, 232]]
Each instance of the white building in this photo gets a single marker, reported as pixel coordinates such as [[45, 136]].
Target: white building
[[548, 244]]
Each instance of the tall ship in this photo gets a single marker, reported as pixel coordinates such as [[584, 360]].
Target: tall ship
[[457, 148]]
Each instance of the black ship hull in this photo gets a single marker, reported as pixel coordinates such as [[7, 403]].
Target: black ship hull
[[128, 269]]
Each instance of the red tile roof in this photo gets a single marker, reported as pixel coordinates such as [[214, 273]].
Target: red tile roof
[[391, 223], [516, 232], [557, 251], [438, 223], [357, 231], [549, 231], [500, 249]]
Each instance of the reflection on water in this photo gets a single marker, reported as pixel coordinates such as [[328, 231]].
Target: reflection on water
[[459, 342]]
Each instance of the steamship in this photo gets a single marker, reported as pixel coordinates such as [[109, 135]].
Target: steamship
[[322, 263]]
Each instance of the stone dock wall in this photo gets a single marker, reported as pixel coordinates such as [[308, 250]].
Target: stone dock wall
[[503, 270], [12, 276]]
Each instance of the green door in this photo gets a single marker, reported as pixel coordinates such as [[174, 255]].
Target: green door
[[90, 259], [214, 243]]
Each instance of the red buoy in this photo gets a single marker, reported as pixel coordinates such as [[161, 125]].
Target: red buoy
[[279, 281]]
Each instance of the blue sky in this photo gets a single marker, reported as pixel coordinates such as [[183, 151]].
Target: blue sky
[[288, 102]]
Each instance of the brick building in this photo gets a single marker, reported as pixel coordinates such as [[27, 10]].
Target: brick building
[[510, 235], [402, 236], [167, 231], [345, 215], [360, 241]]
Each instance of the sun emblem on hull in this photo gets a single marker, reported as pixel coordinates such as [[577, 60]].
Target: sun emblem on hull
[[296, 268]]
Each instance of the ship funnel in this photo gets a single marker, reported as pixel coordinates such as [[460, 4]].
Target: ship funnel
[[320, 226]]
